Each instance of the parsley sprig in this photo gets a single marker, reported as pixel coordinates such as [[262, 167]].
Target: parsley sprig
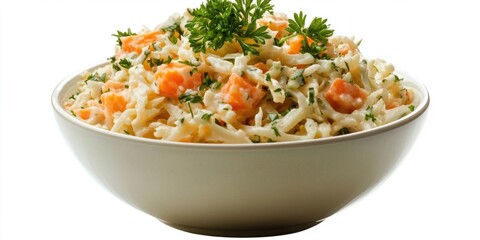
[[318, 31], [219, 21]]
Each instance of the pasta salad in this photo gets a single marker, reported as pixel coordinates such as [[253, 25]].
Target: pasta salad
[[237, 72]]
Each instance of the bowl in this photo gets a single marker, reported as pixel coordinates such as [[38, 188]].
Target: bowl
[[239, 189]]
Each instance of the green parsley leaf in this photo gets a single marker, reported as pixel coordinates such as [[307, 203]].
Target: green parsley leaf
[[120, 34], [219, 21], [318, 31], [125, 63], [190, 98], [96, 77]]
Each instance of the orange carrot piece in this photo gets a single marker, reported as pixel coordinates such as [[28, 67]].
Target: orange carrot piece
[[175, 78], [242, 95], [83, 113], [262, 66], [345, 97], [296, 44], [113, 102], [135, 43]]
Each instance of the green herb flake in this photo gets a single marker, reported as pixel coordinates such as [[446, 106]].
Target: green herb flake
[[268, 78], [207, 116], [311, 96], [275, 130], [343, 131], [411, 107], [120, 34], [125, 63]]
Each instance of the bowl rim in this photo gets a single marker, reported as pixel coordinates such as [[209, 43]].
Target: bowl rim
[[61, 88]]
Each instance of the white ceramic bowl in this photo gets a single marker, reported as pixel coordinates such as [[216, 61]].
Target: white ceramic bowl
[[239, 189]]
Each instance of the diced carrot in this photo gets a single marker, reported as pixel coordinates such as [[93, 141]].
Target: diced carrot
[[135, 43], [242, 95], [345, 97], [175, 78], [113, 102], [113, 86], [296, 44], [262, 66], [83, 113], [302, 66]]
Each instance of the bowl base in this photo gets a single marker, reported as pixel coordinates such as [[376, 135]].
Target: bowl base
[[264, 232]]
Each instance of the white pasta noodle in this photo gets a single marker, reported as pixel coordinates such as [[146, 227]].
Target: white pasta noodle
[[157, 87]]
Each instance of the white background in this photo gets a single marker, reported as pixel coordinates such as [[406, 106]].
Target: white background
[[46, 194]]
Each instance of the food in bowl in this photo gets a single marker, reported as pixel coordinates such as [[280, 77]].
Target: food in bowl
[[247, 75], [238, 189]]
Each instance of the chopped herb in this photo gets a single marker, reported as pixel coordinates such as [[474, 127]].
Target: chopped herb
[[285, 112], [209, 83], [334, 66], [120, 34], [188, 63], [370, 116], [346, 64], [111, 59], [343, 131], [268, 78], [127, 86], [277, 90], [189, 97], [73, 113], [359, 42], [73, 97], [311, 96], [275, 130], [125, 63], [182, 120], [207, 116], [96, 77], [126, 132], [397, 79], [411, 107], [190, 109]]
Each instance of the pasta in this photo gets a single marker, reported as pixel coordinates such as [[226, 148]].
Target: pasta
[[157, 87]]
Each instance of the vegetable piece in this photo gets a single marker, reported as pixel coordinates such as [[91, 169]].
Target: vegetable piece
[[83, 113], [113, 102], [174, 79], [220, 21], [296, 44], [135, 43], [242, 95], [345, 97]]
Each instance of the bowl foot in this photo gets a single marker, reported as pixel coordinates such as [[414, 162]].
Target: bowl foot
[[262, 232]]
